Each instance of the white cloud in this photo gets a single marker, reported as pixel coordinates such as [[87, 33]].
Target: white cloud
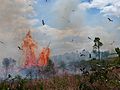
[[107, 7]]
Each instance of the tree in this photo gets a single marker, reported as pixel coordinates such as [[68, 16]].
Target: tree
[[97, 45], [118, 52], [7, 62]]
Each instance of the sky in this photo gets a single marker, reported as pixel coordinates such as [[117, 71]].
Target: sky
[[65, 20]]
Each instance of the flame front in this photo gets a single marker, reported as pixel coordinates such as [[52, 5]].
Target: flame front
[[44, 57], [29, 47]]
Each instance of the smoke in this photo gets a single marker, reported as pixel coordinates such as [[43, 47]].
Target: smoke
[[68, 22], [13, 25], [64, 11]]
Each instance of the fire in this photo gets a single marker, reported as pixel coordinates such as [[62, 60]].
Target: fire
[[44, 57], [29, 47]]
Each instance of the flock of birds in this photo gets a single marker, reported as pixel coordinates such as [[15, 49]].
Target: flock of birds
[[43, 23]]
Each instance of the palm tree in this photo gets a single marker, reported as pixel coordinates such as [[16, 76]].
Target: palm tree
[[97, 45]]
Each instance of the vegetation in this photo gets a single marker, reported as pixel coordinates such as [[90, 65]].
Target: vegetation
[[7, 63], [95, 74], [103, 75], [97, 45], [118, 51]]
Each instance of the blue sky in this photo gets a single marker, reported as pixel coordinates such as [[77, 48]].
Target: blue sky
[[53, 12], [92, 15], [65, 20]]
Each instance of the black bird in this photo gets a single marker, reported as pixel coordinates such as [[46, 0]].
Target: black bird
[[43, 23], [9, 76], [20, 48], [89, 38], [82, 69], [2, 42], [72, 40], [90, 56], [82, 55], [73, 10], [110, 20], [83, 49]]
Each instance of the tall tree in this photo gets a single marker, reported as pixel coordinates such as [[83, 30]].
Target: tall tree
[[97, 45], [118, 52], [8, 63]]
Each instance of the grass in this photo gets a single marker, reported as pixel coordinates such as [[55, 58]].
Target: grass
[[105, 76]]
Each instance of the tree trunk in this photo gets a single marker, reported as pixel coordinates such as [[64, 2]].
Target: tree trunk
[[98, 53], [6, 72]]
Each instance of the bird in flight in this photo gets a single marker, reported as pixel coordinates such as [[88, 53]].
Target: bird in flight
[[73, 10], [72, 40], [20, 48], [83, 49], [2, 42], [43, 23], [110, 19], [90, 56], [89, 38], [82, 55]]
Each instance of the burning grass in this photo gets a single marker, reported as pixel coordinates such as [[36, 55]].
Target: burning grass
[[102, 74], [29, 46], [103, 77]]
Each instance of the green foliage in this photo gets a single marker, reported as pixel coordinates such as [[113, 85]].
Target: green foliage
[[84, 86], [41, 86], [117, 51], [7, 62], [97, 45]]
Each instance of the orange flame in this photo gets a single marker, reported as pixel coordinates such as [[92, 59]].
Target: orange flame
[[29, 46], [44, 57]]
